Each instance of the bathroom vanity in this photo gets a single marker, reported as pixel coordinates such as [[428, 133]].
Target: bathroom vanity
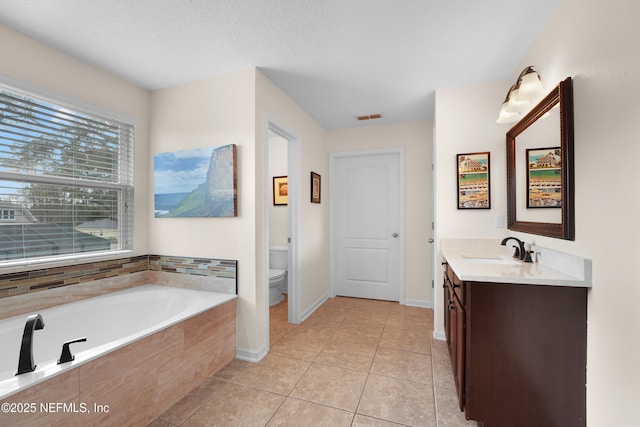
[[517, 335]]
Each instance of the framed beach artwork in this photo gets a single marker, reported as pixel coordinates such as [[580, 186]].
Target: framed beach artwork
[[195, 183], [544, 177], [280, 190], [315, 187], [474, 189]]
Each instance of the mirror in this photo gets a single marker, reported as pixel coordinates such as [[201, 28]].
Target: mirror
[[540, 192]]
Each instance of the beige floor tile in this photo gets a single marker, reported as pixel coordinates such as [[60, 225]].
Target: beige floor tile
[[343, 302], [275, 333], [303, 343], [350, 355], [439, 348], [367, 317], [332, 386], [411, 310], [448, 410], [364, 421], [330, 319], [358, 333], [373, 304], [402, 364], [237, 405], [409, 319], [189, 404], [297, 413], [273, 373], [399, 401], [402, 339], [233, 368], [442, 372], [338, 310], [159, 423]]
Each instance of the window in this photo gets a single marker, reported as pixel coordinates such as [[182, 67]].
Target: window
[[8, 214], [66, 180]]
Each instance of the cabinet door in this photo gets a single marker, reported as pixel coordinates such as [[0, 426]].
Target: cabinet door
[[459, 350], [452, 339], [447, 322]]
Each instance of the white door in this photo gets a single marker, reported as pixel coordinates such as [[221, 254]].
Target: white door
[[366, 202]]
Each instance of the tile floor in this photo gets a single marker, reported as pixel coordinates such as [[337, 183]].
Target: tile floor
[[354, 362]]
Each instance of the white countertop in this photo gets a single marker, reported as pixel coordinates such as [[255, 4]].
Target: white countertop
[[485, 260]]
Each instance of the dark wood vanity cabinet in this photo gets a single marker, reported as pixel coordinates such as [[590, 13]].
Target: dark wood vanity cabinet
[[454, 325], [518, 352]]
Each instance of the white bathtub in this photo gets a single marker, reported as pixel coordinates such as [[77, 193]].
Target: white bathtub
[[109, 322]]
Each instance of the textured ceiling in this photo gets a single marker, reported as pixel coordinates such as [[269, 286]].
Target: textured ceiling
[[335, 58]]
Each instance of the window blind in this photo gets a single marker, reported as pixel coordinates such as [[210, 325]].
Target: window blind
[[66, 179]]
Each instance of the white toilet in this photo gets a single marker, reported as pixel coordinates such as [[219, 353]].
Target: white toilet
[[278, 264]]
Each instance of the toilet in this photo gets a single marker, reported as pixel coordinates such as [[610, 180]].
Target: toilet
[[278, 264]]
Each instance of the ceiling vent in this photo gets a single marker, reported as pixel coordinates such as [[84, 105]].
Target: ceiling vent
[[369, 117]]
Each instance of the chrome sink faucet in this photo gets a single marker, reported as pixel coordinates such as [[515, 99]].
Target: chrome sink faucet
[[25, 362], [521, 253]]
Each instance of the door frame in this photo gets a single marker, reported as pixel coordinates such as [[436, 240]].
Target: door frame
[[333, 157], [293, 214]]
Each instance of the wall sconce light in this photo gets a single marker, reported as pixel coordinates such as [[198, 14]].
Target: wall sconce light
[[528, 88]]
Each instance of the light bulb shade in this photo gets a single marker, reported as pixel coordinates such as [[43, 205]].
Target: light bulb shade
[[506, 117], [530, 86], [515, 104]]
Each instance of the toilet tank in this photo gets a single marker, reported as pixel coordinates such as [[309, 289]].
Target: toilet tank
[[279, 257]]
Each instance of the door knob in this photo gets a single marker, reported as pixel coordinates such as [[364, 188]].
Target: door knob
[[430, 240], [395, 234]]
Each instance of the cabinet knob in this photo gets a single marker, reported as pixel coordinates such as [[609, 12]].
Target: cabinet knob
[[451, 307]]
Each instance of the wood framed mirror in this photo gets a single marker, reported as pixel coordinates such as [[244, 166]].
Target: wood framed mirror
[[540, 175]]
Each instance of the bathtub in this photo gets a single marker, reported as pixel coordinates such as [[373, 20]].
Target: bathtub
[[177, 328]]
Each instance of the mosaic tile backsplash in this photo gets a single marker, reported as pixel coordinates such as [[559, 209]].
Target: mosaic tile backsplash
[[35, 280]]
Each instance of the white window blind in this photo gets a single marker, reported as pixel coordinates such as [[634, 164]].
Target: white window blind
[[66, 179]]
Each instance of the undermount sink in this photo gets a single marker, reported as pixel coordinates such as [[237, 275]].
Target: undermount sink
[[489, 260]]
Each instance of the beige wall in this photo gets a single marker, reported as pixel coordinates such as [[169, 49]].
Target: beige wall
[[207, 113], [46, 69], [416, 139], [596, 44], [272, 103]]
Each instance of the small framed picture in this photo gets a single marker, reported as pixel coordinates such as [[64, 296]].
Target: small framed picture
[[474, 189], [544, 177], [315, 187], [280, 190]]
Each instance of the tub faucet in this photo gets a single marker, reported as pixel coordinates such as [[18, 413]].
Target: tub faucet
[[521, 253], [25, 362]]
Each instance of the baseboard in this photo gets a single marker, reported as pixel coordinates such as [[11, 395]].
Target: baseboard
[[251, 356], [309, 311], [439, 335], [418, 303]]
